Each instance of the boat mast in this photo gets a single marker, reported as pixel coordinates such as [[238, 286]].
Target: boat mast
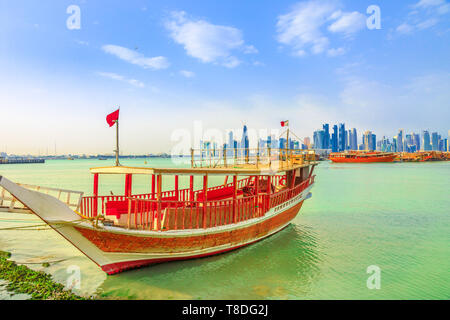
[[287, 143]]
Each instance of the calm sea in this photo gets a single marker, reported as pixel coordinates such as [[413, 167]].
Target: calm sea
[[393, 216]]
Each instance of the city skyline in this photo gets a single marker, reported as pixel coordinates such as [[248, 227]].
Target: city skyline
[[351, 139], [178, 63]]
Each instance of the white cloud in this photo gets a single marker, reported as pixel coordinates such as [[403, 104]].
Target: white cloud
[[336, 52], [136, 58], [250, 49], [301, 28], [118, 77], [405, 28], [427, 23], [82, 43], [429, 3], [423, 15], [349, 23], [187, 74], [208, 42]]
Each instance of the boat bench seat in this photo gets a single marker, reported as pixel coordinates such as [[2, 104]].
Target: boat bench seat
[[120, 207], [218, 194]]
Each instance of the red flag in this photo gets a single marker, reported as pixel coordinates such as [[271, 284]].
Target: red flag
[[112, 117], [285, 123]]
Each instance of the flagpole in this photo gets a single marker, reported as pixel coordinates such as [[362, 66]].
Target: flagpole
[[117, 143], [287, 143]]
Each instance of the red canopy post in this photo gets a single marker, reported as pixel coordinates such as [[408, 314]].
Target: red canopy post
[[269, 191], [128, 184], [158, 196], [191, 188], [205, 198], [176, 187], [95, 206], [234, 198], [153, 187], [256, 194]]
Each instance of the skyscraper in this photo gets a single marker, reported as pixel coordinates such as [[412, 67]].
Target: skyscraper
[[354, 140], [435, 141], [416, 141], [319, 139], [334, 139], [369, 141], [426, 146], [400, 137], [307, 142], [448, 141], [245, 142], [326, 138], [342, 135], [349, 147], [230, 139]]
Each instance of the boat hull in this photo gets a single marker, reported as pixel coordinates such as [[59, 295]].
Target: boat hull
[[126, 251]]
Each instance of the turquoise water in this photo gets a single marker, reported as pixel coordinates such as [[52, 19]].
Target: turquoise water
[[395, 216]]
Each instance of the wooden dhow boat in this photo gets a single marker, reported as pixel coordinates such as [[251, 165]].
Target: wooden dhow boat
[[120, 232]]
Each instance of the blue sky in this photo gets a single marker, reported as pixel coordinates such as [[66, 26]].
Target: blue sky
[[170, 63]]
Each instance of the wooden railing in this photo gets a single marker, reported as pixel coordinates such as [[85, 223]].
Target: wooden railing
[[180, 215], [257, 157], [87, 205]]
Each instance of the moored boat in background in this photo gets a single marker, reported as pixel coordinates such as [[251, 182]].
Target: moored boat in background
[[362, 157]]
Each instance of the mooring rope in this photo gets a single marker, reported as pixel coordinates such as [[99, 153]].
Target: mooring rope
[[32, 227]]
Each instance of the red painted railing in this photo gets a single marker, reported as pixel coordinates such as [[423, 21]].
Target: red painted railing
[[182, 214]]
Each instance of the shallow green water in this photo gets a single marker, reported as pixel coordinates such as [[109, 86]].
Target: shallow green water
[[394, 216]]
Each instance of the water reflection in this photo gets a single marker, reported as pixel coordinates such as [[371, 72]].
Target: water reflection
[[281, 267]]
